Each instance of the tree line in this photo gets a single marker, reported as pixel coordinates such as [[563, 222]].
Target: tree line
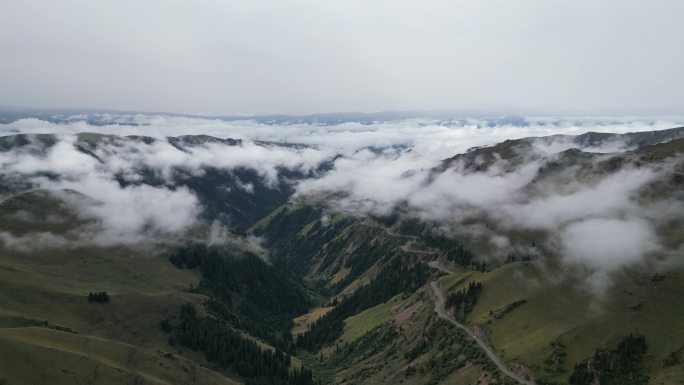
[[246, 291], [619, 366], [463, 301], [98, 296], [230, 350], [396, 277]]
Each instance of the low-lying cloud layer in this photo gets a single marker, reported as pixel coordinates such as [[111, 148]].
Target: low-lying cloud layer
[[588, 215], [599, 221], [115, 174], [608, 243], [432, 138]]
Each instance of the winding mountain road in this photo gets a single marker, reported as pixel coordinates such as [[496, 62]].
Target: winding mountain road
[[441, 311], [405, 247], [3, 200]]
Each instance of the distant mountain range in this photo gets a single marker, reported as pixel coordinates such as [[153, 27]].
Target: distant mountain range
[[99, 117]]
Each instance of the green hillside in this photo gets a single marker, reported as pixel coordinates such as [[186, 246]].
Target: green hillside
[[299, 293]]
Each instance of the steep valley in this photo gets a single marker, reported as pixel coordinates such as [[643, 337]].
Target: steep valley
[[272, 285]]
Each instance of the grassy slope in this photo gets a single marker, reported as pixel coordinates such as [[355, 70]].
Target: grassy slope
[[302, 322], [142, 293], [388, 365], [359, 324], [52, 285], [35, 355], [562, 309], [559, 307]]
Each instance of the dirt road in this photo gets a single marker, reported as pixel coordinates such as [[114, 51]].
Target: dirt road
[[441, 311]]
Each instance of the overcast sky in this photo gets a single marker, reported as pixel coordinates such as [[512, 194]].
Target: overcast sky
[[591, 57]]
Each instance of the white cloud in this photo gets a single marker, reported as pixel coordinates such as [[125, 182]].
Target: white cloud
[[612, 196], [139, 213], [503, 197], [134, 214], [607, 244], [34, 240], [61, 159], [370, 179], [365, 178], [434, 139], [456, 188]]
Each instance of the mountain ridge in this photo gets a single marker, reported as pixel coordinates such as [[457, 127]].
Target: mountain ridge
[[364, 279]]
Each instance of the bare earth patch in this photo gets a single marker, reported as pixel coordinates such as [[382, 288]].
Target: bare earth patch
[[404, 315]]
